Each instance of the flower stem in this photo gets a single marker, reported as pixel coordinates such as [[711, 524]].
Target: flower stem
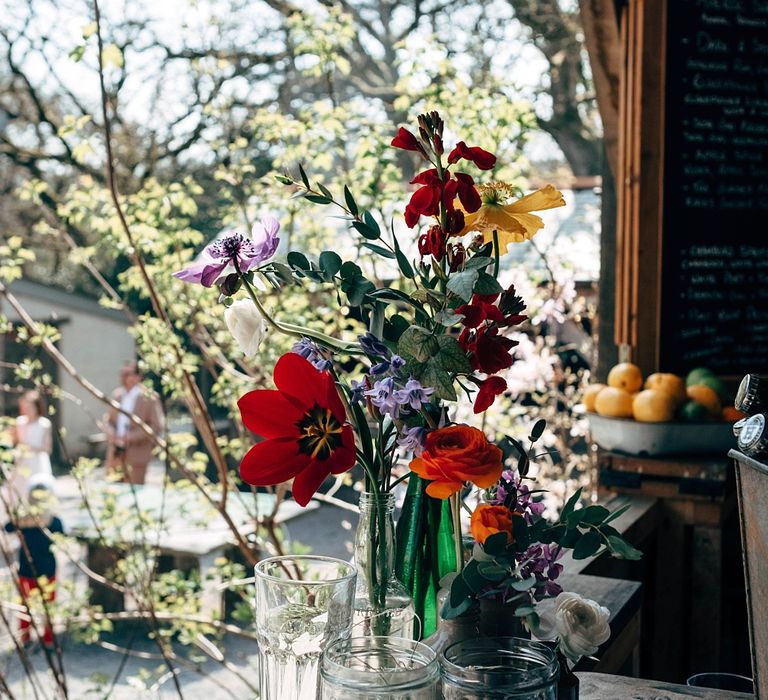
[[456, 517]]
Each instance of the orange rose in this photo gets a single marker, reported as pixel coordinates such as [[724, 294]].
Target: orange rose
[[454, 455], [487, 520]]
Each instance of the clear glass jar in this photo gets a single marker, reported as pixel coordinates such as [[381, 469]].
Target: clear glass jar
[[383, 607], [499, 668], [379, 668]]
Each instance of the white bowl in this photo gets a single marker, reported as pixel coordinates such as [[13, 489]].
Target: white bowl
[[652, 439]]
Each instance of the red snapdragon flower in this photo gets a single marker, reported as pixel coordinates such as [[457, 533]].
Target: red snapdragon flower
[[489, 389], [480, 157], [304, 425], [489, 351], [433, 243], [406, 141]]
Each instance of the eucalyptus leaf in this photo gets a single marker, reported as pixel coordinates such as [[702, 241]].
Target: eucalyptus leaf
[[594, 515], [330, 263], [538, 430], [298, 260], [380, 250], [622, 549], [487, 284], [350, 200], [496, 544], [524, 585], [587, 545], [477, 262]]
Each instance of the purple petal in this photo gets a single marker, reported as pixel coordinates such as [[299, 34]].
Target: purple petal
[[265, 239], [205, 273]]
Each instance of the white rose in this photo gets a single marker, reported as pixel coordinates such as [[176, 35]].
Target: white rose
[[580, 624], [246, 325]]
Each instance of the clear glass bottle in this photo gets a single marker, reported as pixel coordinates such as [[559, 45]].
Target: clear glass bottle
[[379, 668], [465, 626], [499, 668], [383, 607]]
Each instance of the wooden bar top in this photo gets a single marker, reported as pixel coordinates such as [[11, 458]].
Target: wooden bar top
[[601, 686]]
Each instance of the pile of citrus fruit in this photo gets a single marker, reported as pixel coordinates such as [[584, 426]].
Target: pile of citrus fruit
[[661, 398]]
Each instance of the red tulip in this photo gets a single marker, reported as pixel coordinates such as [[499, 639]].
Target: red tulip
[[304, 426]]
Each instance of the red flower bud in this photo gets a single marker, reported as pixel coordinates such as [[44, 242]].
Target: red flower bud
[[456, 256], [438, 143]]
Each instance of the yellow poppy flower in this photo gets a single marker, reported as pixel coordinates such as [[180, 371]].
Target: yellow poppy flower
[[514, 222]]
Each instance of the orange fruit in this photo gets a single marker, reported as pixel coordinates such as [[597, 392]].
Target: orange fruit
[[614, 403], [706, 396], [653, 406], [626, 376], [670, 384], [590, 394], [732, 414]]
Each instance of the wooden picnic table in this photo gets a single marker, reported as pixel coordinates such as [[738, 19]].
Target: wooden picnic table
[[601, 686]]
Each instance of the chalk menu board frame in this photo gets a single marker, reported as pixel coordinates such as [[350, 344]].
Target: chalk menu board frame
[[713, 297]]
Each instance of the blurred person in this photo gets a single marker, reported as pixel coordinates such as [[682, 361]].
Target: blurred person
[[37, 563], [129, 448], [32, 437]]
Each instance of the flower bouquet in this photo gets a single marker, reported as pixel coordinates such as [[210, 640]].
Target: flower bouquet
[[383, 400]]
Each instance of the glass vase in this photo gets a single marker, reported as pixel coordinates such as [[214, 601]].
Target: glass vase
[[383, 607], [457, 629], [303, 605], [500, 668], [379, 668]]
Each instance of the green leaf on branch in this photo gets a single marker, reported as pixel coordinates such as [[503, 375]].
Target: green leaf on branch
[[283, 180], [330, 264], [418, 343], [587, 545], [594, 515], [524, 610], [317, 198], [621, 549], [366, 231], [379, 249], [298, 261], [570, 505], [487, 284], [402, 261], [477, 262], [491, 571], [538, 430], [325, 191], [525, 584], [350, 200], [496, 544], [304, 177], [618, 512], [354, 284], [462, 284]]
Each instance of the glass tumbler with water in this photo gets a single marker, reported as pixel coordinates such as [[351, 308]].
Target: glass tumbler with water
[[303, 605]]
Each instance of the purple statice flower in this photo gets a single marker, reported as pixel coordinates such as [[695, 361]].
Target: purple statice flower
[[383, 397], [541, 561], [311, 352], [396, 362], [412, 440], [414, 394], [372, 346], [516, 496], [236, 250]]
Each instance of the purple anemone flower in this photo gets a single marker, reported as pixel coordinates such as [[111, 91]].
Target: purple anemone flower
[[234, 249]]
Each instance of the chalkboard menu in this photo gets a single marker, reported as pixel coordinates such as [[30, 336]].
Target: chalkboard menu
[[714, 308]]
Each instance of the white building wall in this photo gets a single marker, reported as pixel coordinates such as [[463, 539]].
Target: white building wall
[[95, 341]]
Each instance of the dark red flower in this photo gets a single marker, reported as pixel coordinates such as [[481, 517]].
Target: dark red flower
[[488, 351], [468, 195], [481, 158], [489, 390], [433, 243], [454, 222], [479, 311], [304, 426], [407, 142], [457, 254]]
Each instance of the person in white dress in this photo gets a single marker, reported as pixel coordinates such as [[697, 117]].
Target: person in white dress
[[32, 436]]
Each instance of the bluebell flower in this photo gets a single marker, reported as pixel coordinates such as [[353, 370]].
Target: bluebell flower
[[310, 351], [413, 440], [383, 397], [372, 346], [396, 362], [414, 394], [380, 368], [358, 391]]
